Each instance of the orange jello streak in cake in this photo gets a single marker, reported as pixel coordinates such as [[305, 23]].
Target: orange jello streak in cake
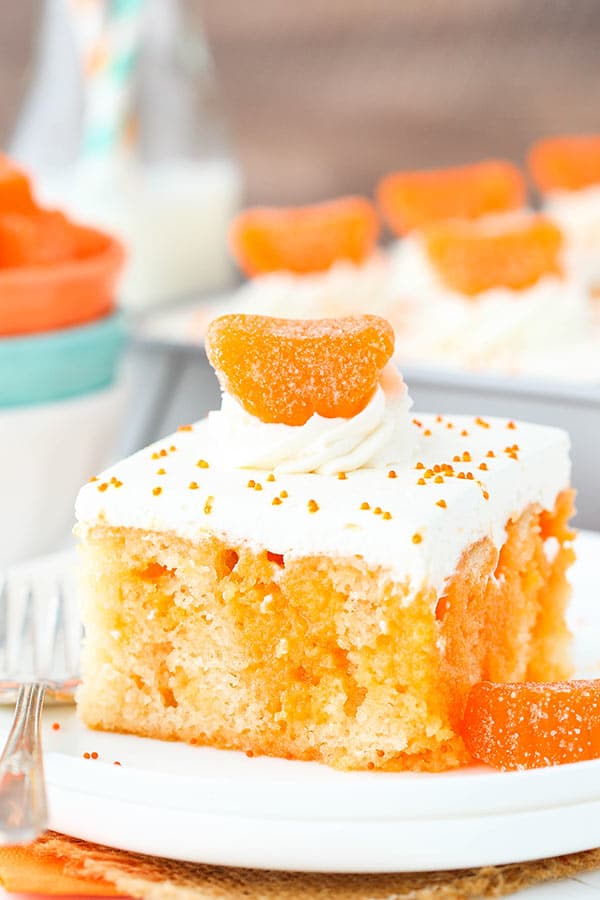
[[471, 260], [412, 200], [286, 370], [566, 163], [304, 239], [527, 725]]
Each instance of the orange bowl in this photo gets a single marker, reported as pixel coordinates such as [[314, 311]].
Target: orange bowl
[[44, 298]]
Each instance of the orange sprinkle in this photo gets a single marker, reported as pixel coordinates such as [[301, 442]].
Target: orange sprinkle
[[470, 476], [313, 506], [156, 455], [365, 505], [481, 422], [378, 510], [93, 478], [193, 485], [490, 454], [466, 457], [512, 425], [386, 515], [156, 491], [441, 503], [258, 486], [483, 466], [456, 459], [163, 452], [208, 506], [94, 755], [464, 433], [417, 423], [270, 477], [276, 501], [117, 483], [342, 476], [461, 475], [103, 487], [420, 465], [56, 726], [429, 473], [449, 424], [439, 479], [202, 464], [417, 538], [427, 432], [392, 474], [116, 763], [172, 448], [437, 468], [439, 418], [184, 428], [370, 766], [486, 495], [421, 481], [86, 756], [251, 483], [380, 753], [249, 754], [161, 471], [283, 494]]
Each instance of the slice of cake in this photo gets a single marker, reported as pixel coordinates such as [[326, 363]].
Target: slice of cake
[[315, 574]]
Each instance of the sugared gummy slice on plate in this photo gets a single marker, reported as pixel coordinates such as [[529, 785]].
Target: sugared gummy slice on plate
[[15, 189], [529, 725], [412, 200], [285, 370], [470, 259], [566, 163], [304, 239]]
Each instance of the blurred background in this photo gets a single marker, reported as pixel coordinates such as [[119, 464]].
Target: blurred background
[[154, 122], [321, 98]]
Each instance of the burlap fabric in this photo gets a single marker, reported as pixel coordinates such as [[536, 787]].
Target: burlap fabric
[[162, 879]]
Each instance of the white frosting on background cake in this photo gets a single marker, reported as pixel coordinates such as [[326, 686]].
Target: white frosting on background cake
[[418, 521], [499, 329], [578, 214]]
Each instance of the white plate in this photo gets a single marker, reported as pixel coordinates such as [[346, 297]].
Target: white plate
[[220, 807]]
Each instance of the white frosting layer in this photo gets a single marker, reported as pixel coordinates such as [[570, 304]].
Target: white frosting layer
[[376, 436], [499, 329], [578, 214], [220, 502]]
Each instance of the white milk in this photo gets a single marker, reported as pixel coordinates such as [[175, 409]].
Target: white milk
[[173, 218]]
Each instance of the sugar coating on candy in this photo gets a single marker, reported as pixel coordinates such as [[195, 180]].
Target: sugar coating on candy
[[285, 370], [566, 163], [470, 259], [529, 725], [412, 200], [15, 189], [304, 239]]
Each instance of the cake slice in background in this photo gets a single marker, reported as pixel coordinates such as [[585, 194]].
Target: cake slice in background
[[566, 172], [314, 573]]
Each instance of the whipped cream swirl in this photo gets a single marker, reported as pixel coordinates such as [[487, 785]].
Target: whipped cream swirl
[[379, 435]]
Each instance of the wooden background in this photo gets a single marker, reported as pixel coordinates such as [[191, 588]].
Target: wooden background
[[324, 95]]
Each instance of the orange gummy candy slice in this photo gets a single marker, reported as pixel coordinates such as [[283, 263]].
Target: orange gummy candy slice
[[470, 259], [305, 238], [15, 189], [42, 238], [285, 370], [566, 163], [410, 200], [529, 725]]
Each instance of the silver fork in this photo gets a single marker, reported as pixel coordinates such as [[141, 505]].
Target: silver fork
[[40, 637]]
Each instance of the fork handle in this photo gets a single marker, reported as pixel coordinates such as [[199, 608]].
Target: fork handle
[[23, 809]]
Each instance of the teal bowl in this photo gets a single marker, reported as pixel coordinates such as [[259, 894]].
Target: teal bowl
[[59, 364]]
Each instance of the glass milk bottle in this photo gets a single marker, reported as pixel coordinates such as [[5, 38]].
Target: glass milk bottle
[[123, 128]]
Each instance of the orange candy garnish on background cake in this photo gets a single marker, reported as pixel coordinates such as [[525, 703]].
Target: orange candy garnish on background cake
[[411, 200], [566, 163], [530, 725], [285, 370], [470, 259], [304, 239], [15, 189]]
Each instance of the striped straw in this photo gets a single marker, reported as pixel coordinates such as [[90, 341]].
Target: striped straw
[[108, 35]]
